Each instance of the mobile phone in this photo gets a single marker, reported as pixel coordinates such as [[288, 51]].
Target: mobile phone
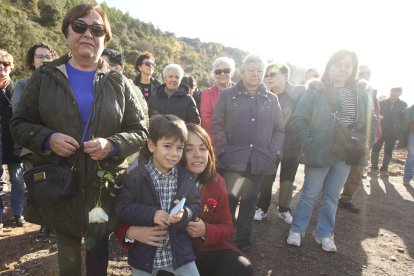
[[178, 207]]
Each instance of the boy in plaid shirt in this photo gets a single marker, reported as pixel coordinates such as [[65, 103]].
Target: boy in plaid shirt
[[150, 192]]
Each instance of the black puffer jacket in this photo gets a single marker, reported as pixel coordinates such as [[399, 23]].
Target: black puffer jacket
[[9, 155], [48, 105], [180, 104]]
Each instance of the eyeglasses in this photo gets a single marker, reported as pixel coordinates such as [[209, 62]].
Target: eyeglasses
[[221, 71], [5, 63], [149, 64], [271, 75], [47, 57], [80, 27]]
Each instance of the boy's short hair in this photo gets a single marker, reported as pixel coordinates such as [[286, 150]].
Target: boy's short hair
[[165, 126]]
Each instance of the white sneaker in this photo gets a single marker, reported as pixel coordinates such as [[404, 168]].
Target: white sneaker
[[259, 214], [286, 216], [294, 238], [328, 243]]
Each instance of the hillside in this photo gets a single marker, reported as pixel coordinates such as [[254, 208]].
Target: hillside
[[25, 22]]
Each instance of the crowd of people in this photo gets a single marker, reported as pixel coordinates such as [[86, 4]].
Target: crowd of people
[[183, 162]]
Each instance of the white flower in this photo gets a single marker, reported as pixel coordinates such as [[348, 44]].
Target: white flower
[[98, 215]]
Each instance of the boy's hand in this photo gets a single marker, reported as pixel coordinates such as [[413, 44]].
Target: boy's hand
[[178, 216], [161, 218]]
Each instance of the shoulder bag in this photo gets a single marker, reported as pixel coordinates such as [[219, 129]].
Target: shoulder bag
[[348, 144]]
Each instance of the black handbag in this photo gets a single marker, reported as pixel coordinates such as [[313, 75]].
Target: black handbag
[[50, 183], [348, 145]]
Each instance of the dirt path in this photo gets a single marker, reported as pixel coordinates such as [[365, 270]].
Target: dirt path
[[377, 241]]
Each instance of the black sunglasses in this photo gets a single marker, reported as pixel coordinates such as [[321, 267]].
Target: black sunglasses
[[272, 75], [149, 64], [220, 71], [78, 26], [5, 63]]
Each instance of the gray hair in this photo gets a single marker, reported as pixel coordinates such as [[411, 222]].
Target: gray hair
[[175, 67], [226, 61], [252, 58]]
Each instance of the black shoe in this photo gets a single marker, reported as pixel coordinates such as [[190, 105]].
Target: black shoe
[[19, 220], [348, 206], [52, 236], [43, 234]]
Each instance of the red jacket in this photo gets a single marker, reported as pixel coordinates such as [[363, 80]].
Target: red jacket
[[219, 227], [209, 99]]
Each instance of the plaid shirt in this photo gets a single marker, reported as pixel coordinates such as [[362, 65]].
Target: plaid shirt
[[166, 186]]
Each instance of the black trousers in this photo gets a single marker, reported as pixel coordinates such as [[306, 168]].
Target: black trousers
[[288, 169], [69, 255], [225, 262]]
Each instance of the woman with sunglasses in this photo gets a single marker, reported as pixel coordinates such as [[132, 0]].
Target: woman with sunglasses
[[212, 230], [222, 72], [9, 156], [36, 55], [145, 66], [277, 81], [172, 97], [50, 120]]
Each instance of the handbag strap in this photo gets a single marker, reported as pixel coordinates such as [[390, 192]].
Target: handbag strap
[[89, 120]]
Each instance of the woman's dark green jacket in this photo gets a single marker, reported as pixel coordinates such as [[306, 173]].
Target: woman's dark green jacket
[[314, 125]]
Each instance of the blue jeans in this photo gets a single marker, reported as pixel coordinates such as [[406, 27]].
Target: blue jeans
[[409, 162], [330, 181], [243, 188], [17, 188], [185, 270]]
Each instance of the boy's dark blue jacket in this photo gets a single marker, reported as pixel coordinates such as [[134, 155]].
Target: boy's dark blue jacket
[[136, 205]]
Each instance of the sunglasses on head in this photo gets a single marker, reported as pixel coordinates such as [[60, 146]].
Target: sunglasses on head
[[47, 57], [149, 64], [78, 26], [272, 75], [5, 63], [221, 71]]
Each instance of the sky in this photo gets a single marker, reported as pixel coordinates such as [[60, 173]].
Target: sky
[[302, 32]]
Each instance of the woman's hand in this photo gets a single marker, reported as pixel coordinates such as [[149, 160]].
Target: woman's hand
[[98, 148], [62, 144], [148, 235], [196, 229]]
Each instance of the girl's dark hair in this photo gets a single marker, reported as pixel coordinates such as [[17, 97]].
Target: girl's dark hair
[[31, 52], [83, 10], [336, 57], [209, 173], [164, 126]]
